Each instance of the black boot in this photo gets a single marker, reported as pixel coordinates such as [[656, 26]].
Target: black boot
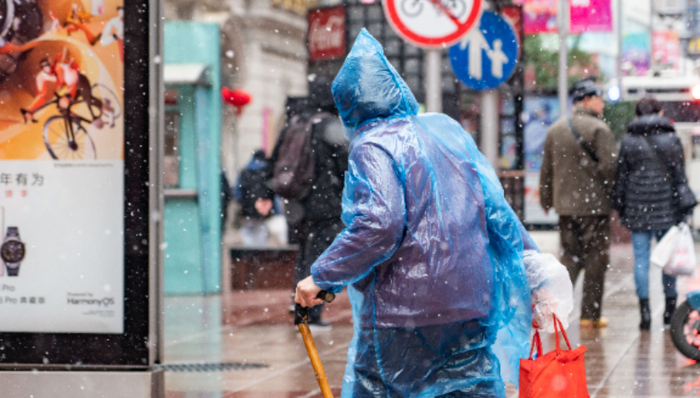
[[670, 307], [645, 312]]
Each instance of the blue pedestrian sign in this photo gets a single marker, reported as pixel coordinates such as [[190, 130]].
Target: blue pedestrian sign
[[486, 56]]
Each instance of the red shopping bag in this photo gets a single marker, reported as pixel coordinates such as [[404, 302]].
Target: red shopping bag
[[557, 374]]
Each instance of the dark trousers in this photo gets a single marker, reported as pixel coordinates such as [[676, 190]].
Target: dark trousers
[[314, 238], [585, 241], [402, 362]]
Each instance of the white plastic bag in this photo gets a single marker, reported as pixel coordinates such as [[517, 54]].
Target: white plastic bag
[[682, 261], [552, 291], [663, 250], [277, 225]]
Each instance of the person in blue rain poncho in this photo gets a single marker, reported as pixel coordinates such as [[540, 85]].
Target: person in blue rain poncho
[[440, 272]]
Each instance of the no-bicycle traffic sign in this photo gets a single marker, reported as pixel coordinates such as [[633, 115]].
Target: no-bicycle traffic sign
[[432, 23]]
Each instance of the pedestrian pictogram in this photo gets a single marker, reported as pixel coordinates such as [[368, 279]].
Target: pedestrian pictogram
[[487, 55], [432, 23]]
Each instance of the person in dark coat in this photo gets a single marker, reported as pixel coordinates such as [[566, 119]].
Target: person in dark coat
[[314, 220], [650, 166], [322, 207], [256, 200]]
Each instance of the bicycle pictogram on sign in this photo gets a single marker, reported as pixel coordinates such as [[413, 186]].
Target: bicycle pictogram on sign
[[432, 23]]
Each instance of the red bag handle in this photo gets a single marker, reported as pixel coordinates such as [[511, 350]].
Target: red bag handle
[[536, 341], [563, 333]]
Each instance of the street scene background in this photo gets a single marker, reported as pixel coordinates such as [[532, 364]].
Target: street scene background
[[276, 58]]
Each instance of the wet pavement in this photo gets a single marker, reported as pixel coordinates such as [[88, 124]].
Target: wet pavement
[[253, 330]]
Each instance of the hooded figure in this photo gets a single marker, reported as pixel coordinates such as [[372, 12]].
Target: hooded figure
[[432, 254]]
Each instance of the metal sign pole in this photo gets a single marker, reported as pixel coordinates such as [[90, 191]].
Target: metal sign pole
[[563, 33], [489, 126], [620, 36], [433, 81], [156, 131]]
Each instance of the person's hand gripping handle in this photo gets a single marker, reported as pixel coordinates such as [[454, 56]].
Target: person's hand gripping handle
[[301, 319], [328, 297]]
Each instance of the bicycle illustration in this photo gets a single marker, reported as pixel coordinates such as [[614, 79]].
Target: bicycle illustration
[[414, 8], [65, 136]]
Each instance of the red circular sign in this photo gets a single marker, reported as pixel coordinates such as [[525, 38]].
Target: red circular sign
[[432, 23]]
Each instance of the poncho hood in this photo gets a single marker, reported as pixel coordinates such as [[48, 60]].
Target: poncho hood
[[368, 87]]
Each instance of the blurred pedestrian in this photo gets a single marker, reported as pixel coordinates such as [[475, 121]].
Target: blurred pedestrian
[[256, 200], [298, 113], [323, 206], [434, 259], [576, 178], [650, 168], [314, 214], [226, 196]]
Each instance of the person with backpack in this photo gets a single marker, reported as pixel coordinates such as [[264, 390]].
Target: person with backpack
[[651, 194], [256, 200], [309, 165]]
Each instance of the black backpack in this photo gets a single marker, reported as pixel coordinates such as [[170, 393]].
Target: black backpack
[[293, 174]]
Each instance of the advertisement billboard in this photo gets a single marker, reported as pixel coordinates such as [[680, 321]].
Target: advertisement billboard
[[666, 48], [636, 55], [590, 16], [326, 37], [540, 16], [62, 167], [77, 275]]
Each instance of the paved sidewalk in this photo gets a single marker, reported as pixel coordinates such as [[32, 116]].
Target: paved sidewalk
[[620, 361]]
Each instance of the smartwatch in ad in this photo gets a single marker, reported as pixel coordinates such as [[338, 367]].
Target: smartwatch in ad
[[12, 251]]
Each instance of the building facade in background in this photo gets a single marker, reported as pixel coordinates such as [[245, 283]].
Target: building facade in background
[[263, 51], [257, 46]]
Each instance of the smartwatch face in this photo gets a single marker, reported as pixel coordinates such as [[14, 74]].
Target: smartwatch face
[[12, 251]]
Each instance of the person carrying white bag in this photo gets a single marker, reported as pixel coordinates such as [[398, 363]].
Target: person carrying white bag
[[663, 251], [652, 196], [679, 253]]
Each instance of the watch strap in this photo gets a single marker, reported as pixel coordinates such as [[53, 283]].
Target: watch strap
[[12, 232], [12, 271]]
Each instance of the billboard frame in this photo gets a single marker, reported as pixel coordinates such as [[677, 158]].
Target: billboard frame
[[138, 348]]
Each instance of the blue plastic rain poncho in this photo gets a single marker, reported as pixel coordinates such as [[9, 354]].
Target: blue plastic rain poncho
[[432, 254]]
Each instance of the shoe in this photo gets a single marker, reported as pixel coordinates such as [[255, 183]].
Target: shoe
[[31, 116], [670, 308], [319, 326], [645, 312], [95, 39], [594, 323]]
